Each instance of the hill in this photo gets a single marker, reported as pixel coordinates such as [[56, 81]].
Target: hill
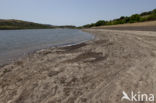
[[19, 24], [145, 16]]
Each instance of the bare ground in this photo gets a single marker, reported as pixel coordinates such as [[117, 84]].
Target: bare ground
[[92, 72]]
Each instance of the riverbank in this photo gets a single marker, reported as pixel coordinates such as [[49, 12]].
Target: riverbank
[[94, 71]]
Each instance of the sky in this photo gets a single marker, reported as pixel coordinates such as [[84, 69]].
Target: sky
[[71, 12]]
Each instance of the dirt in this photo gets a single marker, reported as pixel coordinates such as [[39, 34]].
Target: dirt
[[97, 71]]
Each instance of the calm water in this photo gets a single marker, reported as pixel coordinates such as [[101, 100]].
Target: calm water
[[15, 43]]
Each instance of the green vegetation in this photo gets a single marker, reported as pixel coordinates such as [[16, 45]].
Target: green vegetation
[[19, 24], [145, 16]]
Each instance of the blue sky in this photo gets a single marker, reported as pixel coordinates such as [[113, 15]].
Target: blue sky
[[71, 12]]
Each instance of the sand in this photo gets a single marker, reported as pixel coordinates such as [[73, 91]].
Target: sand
[[97, 71]]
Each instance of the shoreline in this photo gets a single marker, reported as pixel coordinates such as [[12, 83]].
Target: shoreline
[[24, 55], [87, 72], [37, 50]]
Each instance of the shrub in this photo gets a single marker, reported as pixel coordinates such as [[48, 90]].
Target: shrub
[[100, 22]]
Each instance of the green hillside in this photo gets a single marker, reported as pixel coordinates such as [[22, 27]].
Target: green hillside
[[19, 24], [145, 16]]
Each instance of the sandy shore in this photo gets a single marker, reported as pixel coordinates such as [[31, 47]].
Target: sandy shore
[[97, 71]]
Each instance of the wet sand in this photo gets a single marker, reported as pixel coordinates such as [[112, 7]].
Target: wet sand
[[97, 71]]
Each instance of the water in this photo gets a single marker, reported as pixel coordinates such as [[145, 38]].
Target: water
[[15, 43]]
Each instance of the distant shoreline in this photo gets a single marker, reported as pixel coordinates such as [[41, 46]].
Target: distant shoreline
[[12, 24], [38, 28]]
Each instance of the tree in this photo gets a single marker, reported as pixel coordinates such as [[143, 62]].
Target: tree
[[135, 18], [100, 22]]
